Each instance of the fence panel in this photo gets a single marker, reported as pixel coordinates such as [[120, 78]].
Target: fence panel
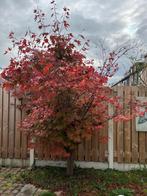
[[130, 146], [13, 143]]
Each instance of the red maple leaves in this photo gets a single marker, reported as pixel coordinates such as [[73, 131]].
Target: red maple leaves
[[47, 68], [65, 99]]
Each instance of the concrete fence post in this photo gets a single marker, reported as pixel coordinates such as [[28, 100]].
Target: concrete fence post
[[32, 154]]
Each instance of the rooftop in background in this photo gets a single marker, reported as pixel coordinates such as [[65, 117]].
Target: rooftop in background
[[136, 75]]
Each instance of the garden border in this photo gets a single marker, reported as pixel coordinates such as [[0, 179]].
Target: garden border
[[81, 164]]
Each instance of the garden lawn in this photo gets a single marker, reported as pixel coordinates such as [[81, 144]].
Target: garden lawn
[[88, 181]]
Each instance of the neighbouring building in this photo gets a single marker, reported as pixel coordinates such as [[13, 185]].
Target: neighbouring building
[[136, 75]]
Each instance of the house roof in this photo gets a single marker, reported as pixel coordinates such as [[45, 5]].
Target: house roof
[[131, 72]]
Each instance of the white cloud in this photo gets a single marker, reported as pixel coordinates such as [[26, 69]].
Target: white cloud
[[114, 20]]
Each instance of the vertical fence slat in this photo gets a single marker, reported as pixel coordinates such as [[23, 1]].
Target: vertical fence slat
[[17, 131], [127, 127], [81, 151], [88, 149], [146, 128], [106, 143], [11, 126], [76, 153], [1, 119], [5, 123], [24, 146], [38, 151], [115, 131], [94, 146], [120, 135], [110, 138], [102, 145], [115, 141], [134, 132], [142, 134]]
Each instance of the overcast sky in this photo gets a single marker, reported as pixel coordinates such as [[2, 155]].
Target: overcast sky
[[113, 20]]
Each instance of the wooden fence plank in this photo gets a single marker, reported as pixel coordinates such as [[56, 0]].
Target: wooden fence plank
[[106, 142], [1, 119], [134, 132], [110, 138], [88, 149], [17, 131], [115, 140], [11, 127], [81, 153], [39, 150], [146, 128], [76, 153], [127, 127], [94, 146], [142, 153], [119, 132], [115, 131], [5, 124], [103, 149], [24, 144]]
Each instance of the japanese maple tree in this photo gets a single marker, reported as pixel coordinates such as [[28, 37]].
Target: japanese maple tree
[[64, 96]]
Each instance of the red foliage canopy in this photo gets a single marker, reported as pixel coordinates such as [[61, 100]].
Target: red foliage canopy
[[64, 97]]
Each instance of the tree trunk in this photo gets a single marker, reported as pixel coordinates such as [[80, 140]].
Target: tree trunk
[[70, 164]]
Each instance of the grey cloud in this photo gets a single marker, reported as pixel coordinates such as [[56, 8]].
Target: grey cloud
[[14, 16], [113, 20]]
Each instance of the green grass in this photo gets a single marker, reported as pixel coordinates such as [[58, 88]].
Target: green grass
[[92, 181], [122, 191], [47, 193]]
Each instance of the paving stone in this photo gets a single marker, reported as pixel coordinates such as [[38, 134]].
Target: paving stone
[[10, 188], [15, 191], [59, 193], [3, 188], [8, 191], [38, 192], [27, 190]]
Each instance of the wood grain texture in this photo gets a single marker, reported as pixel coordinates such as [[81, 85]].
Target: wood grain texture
[[5, 134]]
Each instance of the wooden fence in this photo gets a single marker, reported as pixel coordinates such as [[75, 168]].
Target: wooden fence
[[13, 143], [130, 146]]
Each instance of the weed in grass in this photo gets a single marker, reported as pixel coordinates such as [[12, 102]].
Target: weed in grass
[[47, 193], [122, 191], [145, 191], [101, 187]]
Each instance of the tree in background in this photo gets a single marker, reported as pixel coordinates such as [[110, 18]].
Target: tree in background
[[65, 98]]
